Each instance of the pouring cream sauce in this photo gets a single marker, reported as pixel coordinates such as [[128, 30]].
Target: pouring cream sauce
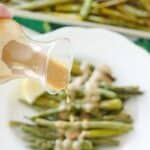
[[17, 58]]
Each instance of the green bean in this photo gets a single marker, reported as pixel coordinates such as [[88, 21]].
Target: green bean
[[32, 138], [42, 145], [52, 97], [107, 94], [125, 97], [109, 105], [123, 117], [37, 108], [80, 124], [114, 21], [40, 132], [107, 3], [85, 124], [82, 145], [116, 14], [124, 13], [47, 144], [115, 104], [79, 93], [85, 10], [106, 104], [38, 142], [47, 27], [33, 130], [101, 133], [133, 11], [146, 4], [105, 142], [76, 70], [45, 103], [48, 112], [68, 8], [40, 4], [122, 89], [16, 123]]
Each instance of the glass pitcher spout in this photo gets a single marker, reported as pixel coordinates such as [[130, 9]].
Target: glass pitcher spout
[[49, 62]]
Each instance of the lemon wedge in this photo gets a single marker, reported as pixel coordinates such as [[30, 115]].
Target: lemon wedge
[[30, 90]]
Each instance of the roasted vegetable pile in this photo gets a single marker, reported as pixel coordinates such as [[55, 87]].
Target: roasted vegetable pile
[[89, 115], [126, 13]]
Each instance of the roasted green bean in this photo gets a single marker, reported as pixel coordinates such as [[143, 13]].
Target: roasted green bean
[[133, 14], [93, 117]]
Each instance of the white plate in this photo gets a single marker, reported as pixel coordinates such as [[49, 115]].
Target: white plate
[[130, 64]]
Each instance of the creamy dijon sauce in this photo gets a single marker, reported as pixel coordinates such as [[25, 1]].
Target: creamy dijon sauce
[[78, 81], [20, 57], [91, 86], [59, 145], [67, 144], [57, 75], [76, 145]]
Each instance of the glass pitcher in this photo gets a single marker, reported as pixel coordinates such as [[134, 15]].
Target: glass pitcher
[[49, 62]]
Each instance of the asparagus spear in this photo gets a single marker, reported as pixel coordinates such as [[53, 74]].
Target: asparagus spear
[[86, 8]]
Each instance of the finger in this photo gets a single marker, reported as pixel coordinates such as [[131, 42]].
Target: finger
[[4, 13]]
